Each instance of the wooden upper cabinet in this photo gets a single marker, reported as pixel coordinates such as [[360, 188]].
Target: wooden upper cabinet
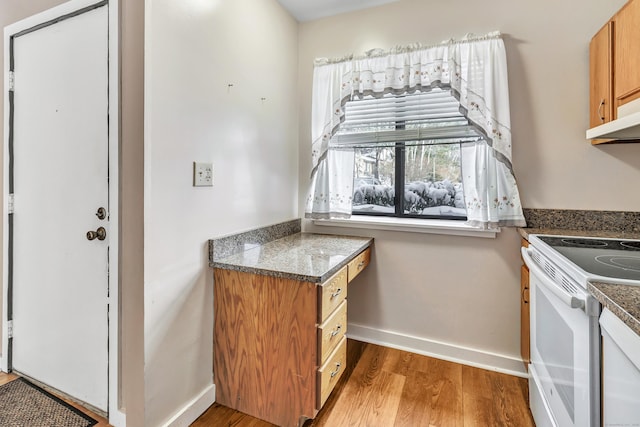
[[626, 43], [601, 76]]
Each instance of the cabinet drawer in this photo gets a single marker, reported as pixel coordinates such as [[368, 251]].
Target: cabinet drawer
[[332, 293], [330, 333], [359, 263], [330, 372]]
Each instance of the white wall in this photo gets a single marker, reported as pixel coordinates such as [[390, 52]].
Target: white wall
[[195, 49], [460, 291]]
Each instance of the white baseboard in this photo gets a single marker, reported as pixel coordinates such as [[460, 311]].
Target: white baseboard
[[193, 409], [439, 350]]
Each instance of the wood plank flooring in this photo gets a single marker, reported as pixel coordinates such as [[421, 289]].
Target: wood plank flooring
[[384, 387], [102, 422]]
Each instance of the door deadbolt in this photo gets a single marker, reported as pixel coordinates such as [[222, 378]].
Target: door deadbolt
[[101, 213], [99, 234]]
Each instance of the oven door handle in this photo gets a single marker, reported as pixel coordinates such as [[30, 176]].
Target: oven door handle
[[564, 296]]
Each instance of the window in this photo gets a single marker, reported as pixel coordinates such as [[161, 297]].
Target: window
[[452, 98], [407, 154]]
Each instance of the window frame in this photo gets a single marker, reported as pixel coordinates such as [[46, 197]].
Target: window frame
[[399, 184], [409, 225]]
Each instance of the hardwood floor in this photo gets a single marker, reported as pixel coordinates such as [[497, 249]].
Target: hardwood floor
[[102, 422], [384, 387]]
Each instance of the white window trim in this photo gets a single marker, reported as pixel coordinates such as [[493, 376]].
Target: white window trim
[[410, 225]]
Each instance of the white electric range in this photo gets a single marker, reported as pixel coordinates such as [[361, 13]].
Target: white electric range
[[565, 336]]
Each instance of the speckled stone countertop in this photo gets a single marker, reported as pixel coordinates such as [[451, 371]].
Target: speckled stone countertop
[[622, 300], [303, 256]]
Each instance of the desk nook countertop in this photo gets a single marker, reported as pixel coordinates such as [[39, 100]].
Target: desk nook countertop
[[302, 256]]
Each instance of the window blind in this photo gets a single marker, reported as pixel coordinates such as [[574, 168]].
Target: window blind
[[421, 118]]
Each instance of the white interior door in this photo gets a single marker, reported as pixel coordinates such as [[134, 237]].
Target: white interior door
[[60, 177]]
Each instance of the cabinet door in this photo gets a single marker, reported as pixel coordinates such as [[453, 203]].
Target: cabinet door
[[265, 345], [600, 76], [620, 372], [627, 58], [525, 346]]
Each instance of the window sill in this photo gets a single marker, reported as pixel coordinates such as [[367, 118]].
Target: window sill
[[410, 225]]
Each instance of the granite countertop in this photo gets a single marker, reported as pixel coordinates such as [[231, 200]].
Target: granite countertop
[[303, 256], [622, 300]]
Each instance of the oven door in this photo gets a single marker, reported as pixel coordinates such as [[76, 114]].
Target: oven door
[[565, 360]]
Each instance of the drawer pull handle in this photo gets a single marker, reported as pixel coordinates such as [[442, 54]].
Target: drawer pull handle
[[334, 373], [336, 331], [336, 293], [360, 265]]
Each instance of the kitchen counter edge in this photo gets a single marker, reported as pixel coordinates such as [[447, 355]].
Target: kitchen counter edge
[[622, 300]]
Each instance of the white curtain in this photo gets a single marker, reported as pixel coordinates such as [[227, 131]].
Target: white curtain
[[332, 175], [475, 70]]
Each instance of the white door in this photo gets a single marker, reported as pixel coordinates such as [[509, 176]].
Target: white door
[[60, 180]]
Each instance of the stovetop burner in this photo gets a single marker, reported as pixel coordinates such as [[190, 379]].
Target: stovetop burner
[[584, 243], [625, 262], [631, 244], [609, 258]]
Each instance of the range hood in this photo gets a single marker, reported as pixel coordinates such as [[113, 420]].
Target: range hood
[[626, 126]]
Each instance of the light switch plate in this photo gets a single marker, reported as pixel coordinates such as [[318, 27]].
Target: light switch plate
[[202, 174]]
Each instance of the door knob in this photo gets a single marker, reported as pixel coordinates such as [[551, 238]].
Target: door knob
[[99, 234], [101, 213]]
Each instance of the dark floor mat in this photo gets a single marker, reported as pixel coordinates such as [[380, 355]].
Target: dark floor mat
[[23, 404]]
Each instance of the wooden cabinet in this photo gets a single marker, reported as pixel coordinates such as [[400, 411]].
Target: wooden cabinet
[[331, 331], [626, 67], [525, 346], [614, 61], [330, 372], [358, 264], [332, 292], [280, 344], [600, 76]]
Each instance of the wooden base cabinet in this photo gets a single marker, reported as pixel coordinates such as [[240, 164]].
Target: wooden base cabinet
[[279, 344], [525, 342]]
